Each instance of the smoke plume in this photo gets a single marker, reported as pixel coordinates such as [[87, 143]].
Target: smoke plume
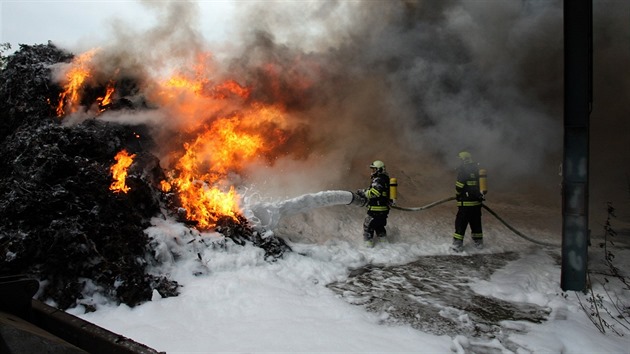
[[411, 83]]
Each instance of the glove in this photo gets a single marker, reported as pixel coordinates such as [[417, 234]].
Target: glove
[[361, 193]]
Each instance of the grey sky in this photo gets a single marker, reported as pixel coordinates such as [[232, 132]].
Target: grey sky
[[83, 23]]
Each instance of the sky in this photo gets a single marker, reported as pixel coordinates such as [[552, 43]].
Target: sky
[[233, 301], [80, 25]]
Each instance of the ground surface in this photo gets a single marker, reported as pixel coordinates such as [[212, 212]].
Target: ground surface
[[433, 295]]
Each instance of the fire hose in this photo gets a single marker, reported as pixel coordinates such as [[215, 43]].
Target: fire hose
[[485, 207], [431, 205], [267, 215]]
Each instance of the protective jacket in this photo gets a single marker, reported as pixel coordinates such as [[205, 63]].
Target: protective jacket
[[378, 193], [467, 185]]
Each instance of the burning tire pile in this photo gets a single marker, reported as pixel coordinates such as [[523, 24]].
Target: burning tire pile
[[60, 222]]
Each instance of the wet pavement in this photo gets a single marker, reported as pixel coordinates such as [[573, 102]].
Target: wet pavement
[[433, 295]]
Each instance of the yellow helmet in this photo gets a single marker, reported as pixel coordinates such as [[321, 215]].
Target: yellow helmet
[[378, 164], [465, 156]]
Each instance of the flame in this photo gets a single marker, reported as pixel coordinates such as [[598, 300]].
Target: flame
[[119, 171], [231, 87], [223, 144], [165, 186], [226, 146], [106, 100], [179, 81], [193, 81], [229, 130], [200, 193], [75, 77]]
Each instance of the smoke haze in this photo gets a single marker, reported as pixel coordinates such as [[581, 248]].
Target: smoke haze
[[407, 82]]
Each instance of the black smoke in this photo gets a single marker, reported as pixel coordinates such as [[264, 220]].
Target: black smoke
[[414, 82], [408, 82]]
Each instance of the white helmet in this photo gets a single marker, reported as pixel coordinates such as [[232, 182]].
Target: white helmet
[[465, 156], [379, 165]]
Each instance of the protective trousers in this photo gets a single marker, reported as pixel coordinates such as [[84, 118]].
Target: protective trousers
[[374, 223], [468, 215]]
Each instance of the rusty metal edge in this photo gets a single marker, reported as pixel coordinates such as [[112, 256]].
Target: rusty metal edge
[[83, 334]]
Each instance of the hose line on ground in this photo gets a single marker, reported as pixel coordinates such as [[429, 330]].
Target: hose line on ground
[[516, 231], [424, 207], [485, 207]]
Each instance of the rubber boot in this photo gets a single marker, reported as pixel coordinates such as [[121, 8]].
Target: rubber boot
[[458, 245]]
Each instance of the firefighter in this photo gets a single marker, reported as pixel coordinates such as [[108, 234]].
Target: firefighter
[[469, 199], [378, 203]]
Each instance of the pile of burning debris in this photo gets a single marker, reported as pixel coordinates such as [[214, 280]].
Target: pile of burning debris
[[59, 221]]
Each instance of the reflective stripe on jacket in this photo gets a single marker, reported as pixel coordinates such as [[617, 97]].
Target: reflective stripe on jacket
[[378, 193], [467, 185]]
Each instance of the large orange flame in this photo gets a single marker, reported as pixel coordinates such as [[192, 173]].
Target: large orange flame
[[226, 88], [75, 77], [223, 148], [106, 100], [229, 131], [119, 171]]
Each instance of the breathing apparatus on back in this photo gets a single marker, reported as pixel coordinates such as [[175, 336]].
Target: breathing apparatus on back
[[483, 181], [393, 190], [482, 173]]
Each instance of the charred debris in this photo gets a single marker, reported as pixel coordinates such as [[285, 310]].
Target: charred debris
[[59, 222]]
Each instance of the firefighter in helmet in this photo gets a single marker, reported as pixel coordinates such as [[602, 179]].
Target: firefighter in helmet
[[378, 204], [469, 198]]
